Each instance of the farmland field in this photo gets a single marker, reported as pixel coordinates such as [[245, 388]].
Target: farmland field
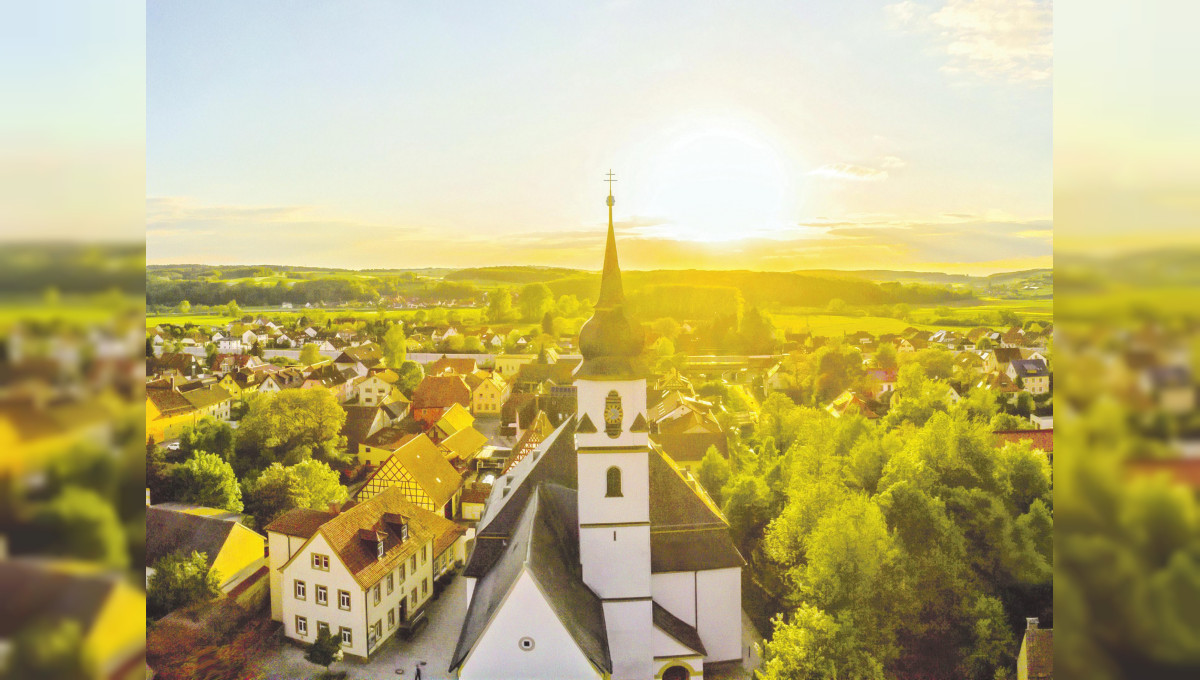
[[819, 322]]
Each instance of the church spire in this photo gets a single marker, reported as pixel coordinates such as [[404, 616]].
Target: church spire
[[611, 291], [610, 344]]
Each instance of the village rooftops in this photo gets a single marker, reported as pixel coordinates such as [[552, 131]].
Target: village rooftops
[[364, 563]]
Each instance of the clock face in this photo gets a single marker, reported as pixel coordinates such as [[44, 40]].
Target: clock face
[[612, 414]]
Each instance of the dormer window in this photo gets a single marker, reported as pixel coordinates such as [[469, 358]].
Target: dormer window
[[379, 548]]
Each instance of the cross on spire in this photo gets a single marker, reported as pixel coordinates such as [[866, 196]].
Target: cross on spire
[[611, 178]]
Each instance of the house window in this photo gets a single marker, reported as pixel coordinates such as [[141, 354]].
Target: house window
[[322, 627], [376, 593], [391, 582], [344, 600], [614, 483], [391, 619], [424, 587], [379, 549], [414, 596], [526, 644], [301, 625], [424, 554], [299, 590], [412, 564], [322, 595], [347, 636], [400, 573], [320, 562]]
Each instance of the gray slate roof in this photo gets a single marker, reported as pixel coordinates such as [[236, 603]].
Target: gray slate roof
[[542, 543], [168, 531]]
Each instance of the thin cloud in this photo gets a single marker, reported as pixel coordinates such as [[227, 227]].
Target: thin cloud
[[846, 171], [1007, 40]]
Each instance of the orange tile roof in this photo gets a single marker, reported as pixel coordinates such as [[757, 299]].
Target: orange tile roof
[[360, 558]]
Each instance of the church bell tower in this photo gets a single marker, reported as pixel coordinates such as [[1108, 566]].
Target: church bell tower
[[613, 445]]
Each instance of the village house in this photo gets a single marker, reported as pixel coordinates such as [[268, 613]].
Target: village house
[[1030, 375], [850, 402], [436, 394], [235, 554], [1035, 661], [420, 470], [455, 365], [113, 643], [370, 390], [507, 365], [488, 397], [362, 573]]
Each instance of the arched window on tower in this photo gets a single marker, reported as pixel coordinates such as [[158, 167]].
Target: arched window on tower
[[614, 483]]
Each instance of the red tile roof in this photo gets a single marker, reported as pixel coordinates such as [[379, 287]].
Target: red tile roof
[[441, 392], [1039, 439]]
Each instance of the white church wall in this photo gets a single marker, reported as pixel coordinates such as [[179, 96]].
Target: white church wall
[[719, 612], [591, 394], [676, 592], [616, 560], [665, 645], [498, 654], [630, 625], [633, 505]]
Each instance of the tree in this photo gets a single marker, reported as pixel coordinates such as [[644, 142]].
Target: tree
[[324, 650], [713, 473], [184, 307], [206, 479], [48, 649], [410, 375], [289, 427], [536, 300], [885, 357], [232, 310], [180, 581], [310, 354], [308, 484], [500, 306], [208, 434], [82, 524], [813, 645], [395, 346]]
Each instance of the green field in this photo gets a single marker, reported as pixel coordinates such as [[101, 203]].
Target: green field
[[830, 325], [468, 316], [818, 322]]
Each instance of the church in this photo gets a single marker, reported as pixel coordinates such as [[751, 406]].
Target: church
[[596, 556]]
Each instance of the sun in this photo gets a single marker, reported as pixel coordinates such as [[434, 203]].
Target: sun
[[719, 182]]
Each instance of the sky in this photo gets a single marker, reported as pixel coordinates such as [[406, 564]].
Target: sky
[[766, 135]]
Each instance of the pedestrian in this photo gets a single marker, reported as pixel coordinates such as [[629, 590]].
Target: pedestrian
[[418, 675]]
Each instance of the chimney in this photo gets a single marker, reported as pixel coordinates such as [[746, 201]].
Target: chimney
[[1031, 623], [335, 508]]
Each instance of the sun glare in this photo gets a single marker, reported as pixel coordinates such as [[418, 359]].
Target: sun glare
[[720, 183]]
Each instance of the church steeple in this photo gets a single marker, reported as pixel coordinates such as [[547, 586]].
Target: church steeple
[[610, 344], [611, 290]]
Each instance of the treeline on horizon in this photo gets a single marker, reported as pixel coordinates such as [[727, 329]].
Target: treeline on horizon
[[73, 268], [681, 294]]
